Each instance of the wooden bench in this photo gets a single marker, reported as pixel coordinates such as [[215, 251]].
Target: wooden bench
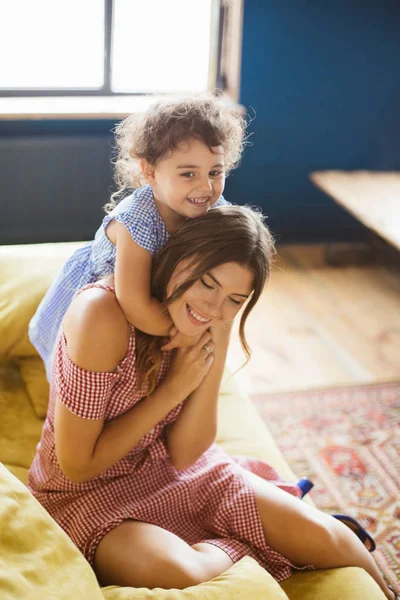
[[371, 197]]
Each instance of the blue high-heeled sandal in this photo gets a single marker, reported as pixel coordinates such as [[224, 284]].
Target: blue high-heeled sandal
[[305, 485], [360, 532]]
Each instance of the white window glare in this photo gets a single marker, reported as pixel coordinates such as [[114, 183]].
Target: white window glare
[[52, 44], [160, 46]]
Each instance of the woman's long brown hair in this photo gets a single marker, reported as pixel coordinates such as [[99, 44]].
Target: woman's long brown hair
[[224, 234]]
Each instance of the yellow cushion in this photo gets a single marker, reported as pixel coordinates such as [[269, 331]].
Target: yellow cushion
[[34, 377], [20, 473], [37, 559], [350, 583], [246, 580], [20, 428], [25, 274]]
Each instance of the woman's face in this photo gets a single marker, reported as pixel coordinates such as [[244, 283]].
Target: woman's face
[[212, 300]]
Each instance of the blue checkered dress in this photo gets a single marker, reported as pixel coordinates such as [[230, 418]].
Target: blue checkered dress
[[139, 213]]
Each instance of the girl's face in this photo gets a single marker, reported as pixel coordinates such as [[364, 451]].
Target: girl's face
[[212, 300], [187, 182]]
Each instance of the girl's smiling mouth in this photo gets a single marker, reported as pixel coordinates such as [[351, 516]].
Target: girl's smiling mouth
[[199, 201]]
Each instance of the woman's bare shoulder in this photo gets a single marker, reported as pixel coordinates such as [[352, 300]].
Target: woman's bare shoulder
[[96, 330]]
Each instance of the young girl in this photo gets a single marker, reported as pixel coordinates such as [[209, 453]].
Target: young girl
[[182, 150]]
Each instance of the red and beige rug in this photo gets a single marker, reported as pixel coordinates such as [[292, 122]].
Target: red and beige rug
[[347, 441]]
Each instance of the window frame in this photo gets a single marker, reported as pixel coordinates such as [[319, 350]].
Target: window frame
[[219, 76], [230, 42]]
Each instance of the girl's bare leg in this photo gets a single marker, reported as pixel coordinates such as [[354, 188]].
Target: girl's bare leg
[[306, 535], [144, 555]]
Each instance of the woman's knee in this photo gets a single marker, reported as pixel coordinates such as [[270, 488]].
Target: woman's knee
[[144, 555], [161, 569], [327, 539]]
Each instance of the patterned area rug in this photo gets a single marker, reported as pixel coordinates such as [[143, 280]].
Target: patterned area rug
[[347, 441]]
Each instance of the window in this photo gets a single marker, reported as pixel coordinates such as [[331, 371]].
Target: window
[[53, 45], [160, 46], [107, 47], [230, 47]]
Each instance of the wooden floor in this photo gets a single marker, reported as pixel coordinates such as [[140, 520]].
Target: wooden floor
[[320, 326]]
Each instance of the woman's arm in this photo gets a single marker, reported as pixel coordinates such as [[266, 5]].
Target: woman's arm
[[196, 426], [133, 284], [85, 448]]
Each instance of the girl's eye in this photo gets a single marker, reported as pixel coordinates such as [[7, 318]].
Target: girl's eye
[[216, 173], [187, 175], [236, 301], [209, 287]]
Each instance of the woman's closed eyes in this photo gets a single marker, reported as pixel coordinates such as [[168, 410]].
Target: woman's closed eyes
[[210, 287]]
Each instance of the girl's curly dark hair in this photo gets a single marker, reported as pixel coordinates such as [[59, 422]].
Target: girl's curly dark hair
[[158, 131]]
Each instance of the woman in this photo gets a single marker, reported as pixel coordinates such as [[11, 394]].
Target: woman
[[127, 462]]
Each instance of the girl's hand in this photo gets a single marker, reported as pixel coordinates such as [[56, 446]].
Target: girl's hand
[[190, 365], [179, 340]]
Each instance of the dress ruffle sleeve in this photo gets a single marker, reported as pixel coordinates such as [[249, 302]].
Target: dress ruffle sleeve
[[84, 393]]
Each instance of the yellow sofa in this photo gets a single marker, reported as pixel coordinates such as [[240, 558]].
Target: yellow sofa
[[37, 559]]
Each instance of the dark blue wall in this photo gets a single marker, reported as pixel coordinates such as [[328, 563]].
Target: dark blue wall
[[324, 81], [55, 177]]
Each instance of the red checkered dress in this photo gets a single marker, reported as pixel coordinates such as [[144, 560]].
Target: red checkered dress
[[211, 501]]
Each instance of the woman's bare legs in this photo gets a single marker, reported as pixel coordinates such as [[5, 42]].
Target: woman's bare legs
[[306, 535], [144, 555]]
